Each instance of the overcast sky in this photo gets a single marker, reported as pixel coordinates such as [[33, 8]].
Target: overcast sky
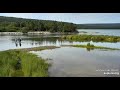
[[71, 17]]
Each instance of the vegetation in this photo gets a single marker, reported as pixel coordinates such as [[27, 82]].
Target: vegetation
[[38, 48], [21, 63], [95, 38], [10, 24], [91, 46], [30, 64], [99, 26]]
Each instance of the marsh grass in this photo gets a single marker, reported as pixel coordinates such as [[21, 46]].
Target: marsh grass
[[31, 65], [94, 47], [37, 48], [95, 38]]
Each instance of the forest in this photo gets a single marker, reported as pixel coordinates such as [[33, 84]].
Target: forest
[[12, 24], [99, 26]]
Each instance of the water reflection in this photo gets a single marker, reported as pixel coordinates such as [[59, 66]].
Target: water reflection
[[77, 62], [57, 41], [89, 49], [20, 44], [44, 41], [17, 42], [34, 41]]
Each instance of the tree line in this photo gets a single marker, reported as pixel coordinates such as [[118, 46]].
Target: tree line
[[99, 26], [11, 24]]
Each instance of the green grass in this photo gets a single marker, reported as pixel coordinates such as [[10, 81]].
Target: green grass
[[30, 66], [95, 38], [94, 47], [38, 48]]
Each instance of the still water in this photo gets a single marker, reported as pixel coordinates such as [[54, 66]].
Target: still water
[[8, 42], [79, 62], [113, 32], [71, 61]]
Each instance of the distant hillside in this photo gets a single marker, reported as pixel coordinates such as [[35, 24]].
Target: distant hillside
[[12, 24], [99, 26]]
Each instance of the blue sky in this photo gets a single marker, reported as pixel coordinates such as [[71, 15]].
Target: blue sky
[[71, 17]]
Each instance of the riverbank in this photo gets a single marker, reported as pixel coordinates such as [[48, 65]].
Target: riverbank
[[11, 33], [35, 33], [94, 38], [37, 48], [91, 47], [21, 63], [95, 47], [20, 33]]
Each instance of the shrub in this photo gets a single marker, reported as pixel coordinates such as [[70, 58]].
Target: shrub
[[91, 45], [88, 44]]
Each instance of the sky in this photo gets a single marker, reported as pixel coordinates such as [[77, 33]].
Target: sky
[[78, 18]]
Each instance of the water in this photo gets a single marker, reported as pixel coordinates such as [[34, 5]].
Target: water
[[78, 62], [71, 61], [113, 32], [7, 42]]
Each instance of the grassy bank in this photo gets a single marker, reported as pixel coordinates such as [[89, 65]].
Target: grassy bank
[[91, 47], [95, 38], [88, 46], [37, 48], [95, 47], [21, 63]]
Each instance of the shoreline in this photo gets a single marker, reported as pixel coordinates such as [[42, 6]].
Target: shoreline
[[34, 33], [39, 65], [36, 48], [94, 38], [91, 47]]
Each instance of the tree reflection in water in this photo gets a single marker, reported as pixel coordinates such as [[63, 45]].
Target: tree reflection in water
[[89, 49]]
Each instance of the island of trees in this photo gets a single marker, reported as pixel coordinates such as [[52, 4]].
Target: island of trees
[[11, 24]]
